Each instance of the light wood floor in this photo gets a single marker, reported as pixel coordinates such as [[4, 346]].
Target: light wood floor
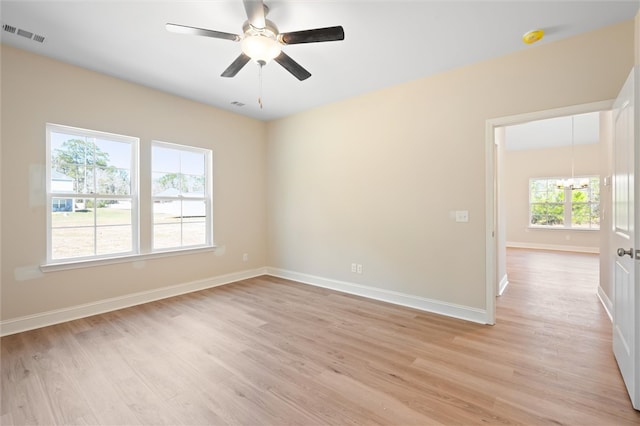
[[270, 351]]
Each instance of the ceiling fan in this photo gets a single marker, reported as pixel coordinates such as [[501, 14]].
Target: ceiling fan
[[261, 40]]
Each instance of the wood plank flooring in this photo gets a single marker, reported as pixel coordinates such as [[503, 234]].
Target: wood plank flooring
[[268, 351]]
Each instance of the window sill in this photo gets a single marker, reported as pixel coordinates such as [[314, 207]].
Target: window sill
[[63, 266], [550, 228]]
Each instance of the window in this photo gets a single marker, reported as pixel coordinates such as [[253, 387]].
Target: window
[[553, 205], [93, 203], [91, 194], [181, 188]]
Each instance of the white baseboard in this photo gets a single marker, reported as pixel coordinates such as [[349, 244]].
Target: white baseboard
[[553, 247], [504, 282], [397, 298], [606, 302], [44, 319], [30, 322]]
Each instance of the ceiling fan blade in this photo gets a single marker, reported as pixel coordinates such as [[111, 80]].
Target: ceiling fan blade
[[236, 66], [183, 29], [255, 13], [292, 66], [312, 36]]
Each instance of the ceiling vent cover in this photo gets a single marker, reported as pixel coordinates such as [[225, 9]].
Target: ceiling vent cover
[[23, 33], [9, 28]]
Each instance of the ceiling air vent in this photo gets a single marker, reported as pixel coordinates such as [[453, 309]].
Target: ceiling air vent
[[238, 104], [23, 33]]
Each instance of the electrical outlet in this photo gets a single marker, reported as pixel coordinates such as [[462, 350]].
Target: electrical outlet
[[245, 257], [353, 267], [359, 268], [462, 216]]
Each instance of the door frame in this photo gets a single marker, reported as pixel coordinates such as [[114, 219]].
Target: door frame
[[492, 178]]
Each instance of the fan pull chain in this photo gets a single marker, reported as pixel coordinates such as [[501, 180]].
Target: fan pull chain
[[260, 84]]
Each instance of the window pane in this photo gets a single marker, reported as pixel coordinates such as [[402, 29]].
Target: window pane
[[167, 184], [111, 180], [72, 242], [194, 233], [538, 214], [193, 209], [555, 215], [113, 239], [579, 195], [66, 219], [70, 149], [113, 212], [61, 182], [62, 205], [87, 165], [193, 184], [166, 236], [580, 215], [595, 216], [81, 178], [167, 211], [179, 223], [165, 159], [192, 163], [113, 153]]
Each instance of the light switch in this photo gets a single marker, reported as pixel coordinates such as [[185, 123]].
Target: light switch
[[462, 216]]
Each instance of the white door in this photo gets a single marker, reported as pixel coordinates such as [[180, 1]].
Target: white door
[[626, 294]]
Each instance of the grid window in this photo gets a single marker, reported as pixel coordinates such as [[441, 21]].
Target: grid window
[[565, 203], [91, 194], [181, 194]]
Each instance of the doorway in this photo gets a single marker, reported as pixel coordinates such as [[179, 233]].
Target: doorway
[[496, 260], [550, 179]]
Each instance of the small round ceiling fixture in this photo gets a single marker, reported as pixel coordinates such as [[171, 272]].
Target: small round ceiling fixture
[[533, 36]]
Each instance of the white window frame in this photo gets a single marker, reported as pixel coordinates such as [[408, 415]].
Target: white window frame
[[207, 197], [133, 196], [568, 204]]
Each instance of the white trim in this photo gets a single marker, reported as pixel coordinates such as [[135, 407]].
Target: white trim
[[30, 322], [490, 176], [90, 263], [491, 242], [553, 247], [502, 286], [557, 228], [394, 297], [606, 303]]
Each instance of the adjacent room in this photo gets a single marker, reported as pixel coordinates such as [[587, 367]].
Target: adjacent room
[[283, 212]]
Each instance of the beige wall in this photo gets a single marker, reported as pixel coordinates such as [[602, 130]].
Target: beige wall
[[37, 90], [520, 166], [637, 39], [373, 179]]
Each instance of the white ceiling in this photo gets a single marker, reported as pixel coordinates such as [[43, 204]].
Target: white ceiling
[[554, 132], [386, 42]]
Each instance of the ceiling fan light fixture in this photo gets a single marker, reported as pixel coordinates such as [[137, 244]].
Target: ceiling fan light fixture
[[261, 48]]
